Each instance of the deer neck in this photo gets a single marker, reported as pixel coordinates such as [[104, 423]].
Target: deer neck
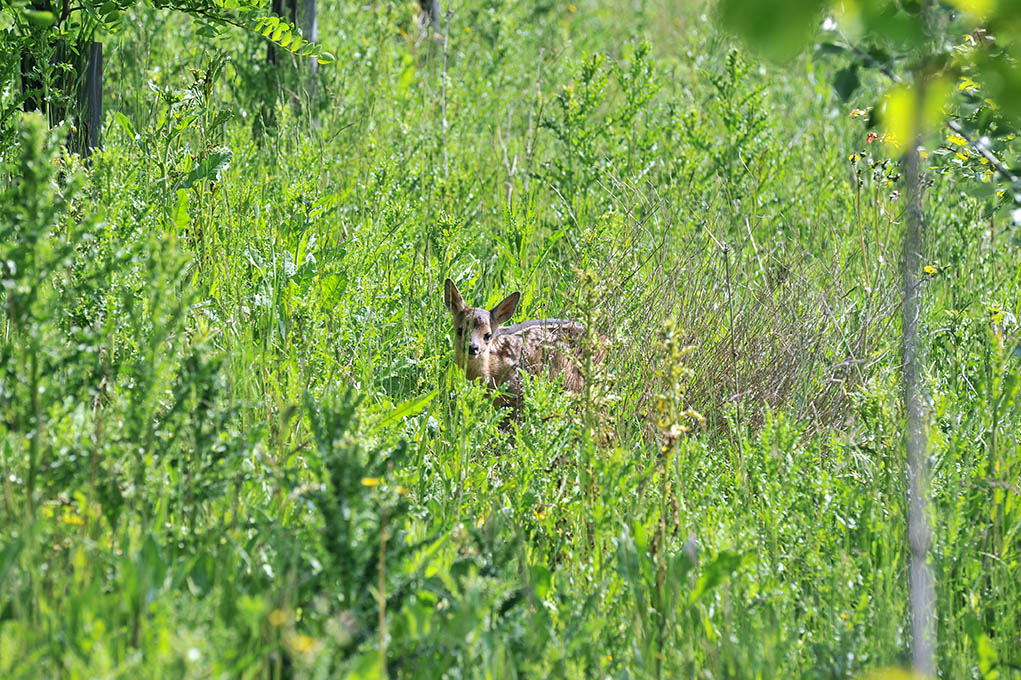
[[499, 363]]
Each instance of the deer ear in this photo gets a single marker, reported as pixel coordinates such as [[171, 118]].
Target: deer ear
[[452, 297], [505, 309]]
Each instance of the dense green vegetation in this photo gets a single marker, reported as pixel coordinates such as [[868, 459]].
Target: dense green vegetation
[[233, 442]]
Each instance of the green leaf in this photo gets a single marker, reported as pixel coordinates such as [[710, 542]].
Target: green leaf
[[846, 82], [540, 576], [830, 48], [715, 573], [777, 29], [181, 217], [152, 565], [983, 191], [1002, 83], [125, 123], [898, 28], [408, 408], [38, 18], [987, 657], [221, 117], [208, 31], [8, 556], [898, 115], [879, 55], [367, 666], [209, 168], [202, 575], [333, 287]]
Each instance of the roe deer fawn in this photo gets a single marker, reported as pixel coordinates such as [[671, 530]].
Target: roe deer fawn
[[486, 349]]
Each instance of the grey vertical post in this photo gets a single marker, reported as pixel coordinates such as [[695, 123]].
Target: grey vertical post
[[309, 24], [431, 9], [91, 101], [921, 591]]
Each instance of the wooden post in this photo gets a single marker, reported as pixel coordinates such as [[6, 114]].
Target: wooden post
[[90, 100]]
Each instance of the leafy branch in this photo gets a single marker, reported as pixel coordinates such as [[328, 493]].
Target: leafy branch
[[89, 16], [847, 82]]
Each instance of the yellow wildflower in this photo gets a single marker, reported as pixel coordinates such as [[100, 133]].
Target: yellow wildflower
[[71, 518], [302, 644]]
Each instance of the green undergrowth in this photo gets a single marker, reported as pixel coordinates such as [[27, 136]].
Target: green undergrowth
[[234, 443]]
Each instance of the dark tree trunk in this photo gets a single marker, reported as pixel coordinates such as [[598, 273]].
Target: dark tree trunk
[[431, 10], [285, 9], [271, 50], [31, 85], [31, 81]]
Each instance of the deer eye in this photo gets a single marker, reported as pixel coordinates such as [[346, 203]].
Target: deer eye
[[487, 336]]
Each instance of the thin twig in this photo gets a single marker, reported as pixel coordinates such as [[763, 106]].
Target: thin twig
[[381, 595], [755, 249], [705, 225], [725, 249], [861, 232], [733, 350], [566, 205]]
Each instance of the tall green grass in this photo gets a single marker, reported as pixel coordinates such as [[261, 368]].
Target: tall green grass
[[234, 442]]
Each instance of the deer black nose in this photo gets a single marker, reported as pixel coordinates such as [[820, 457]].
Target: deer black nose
[[473, 350]]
